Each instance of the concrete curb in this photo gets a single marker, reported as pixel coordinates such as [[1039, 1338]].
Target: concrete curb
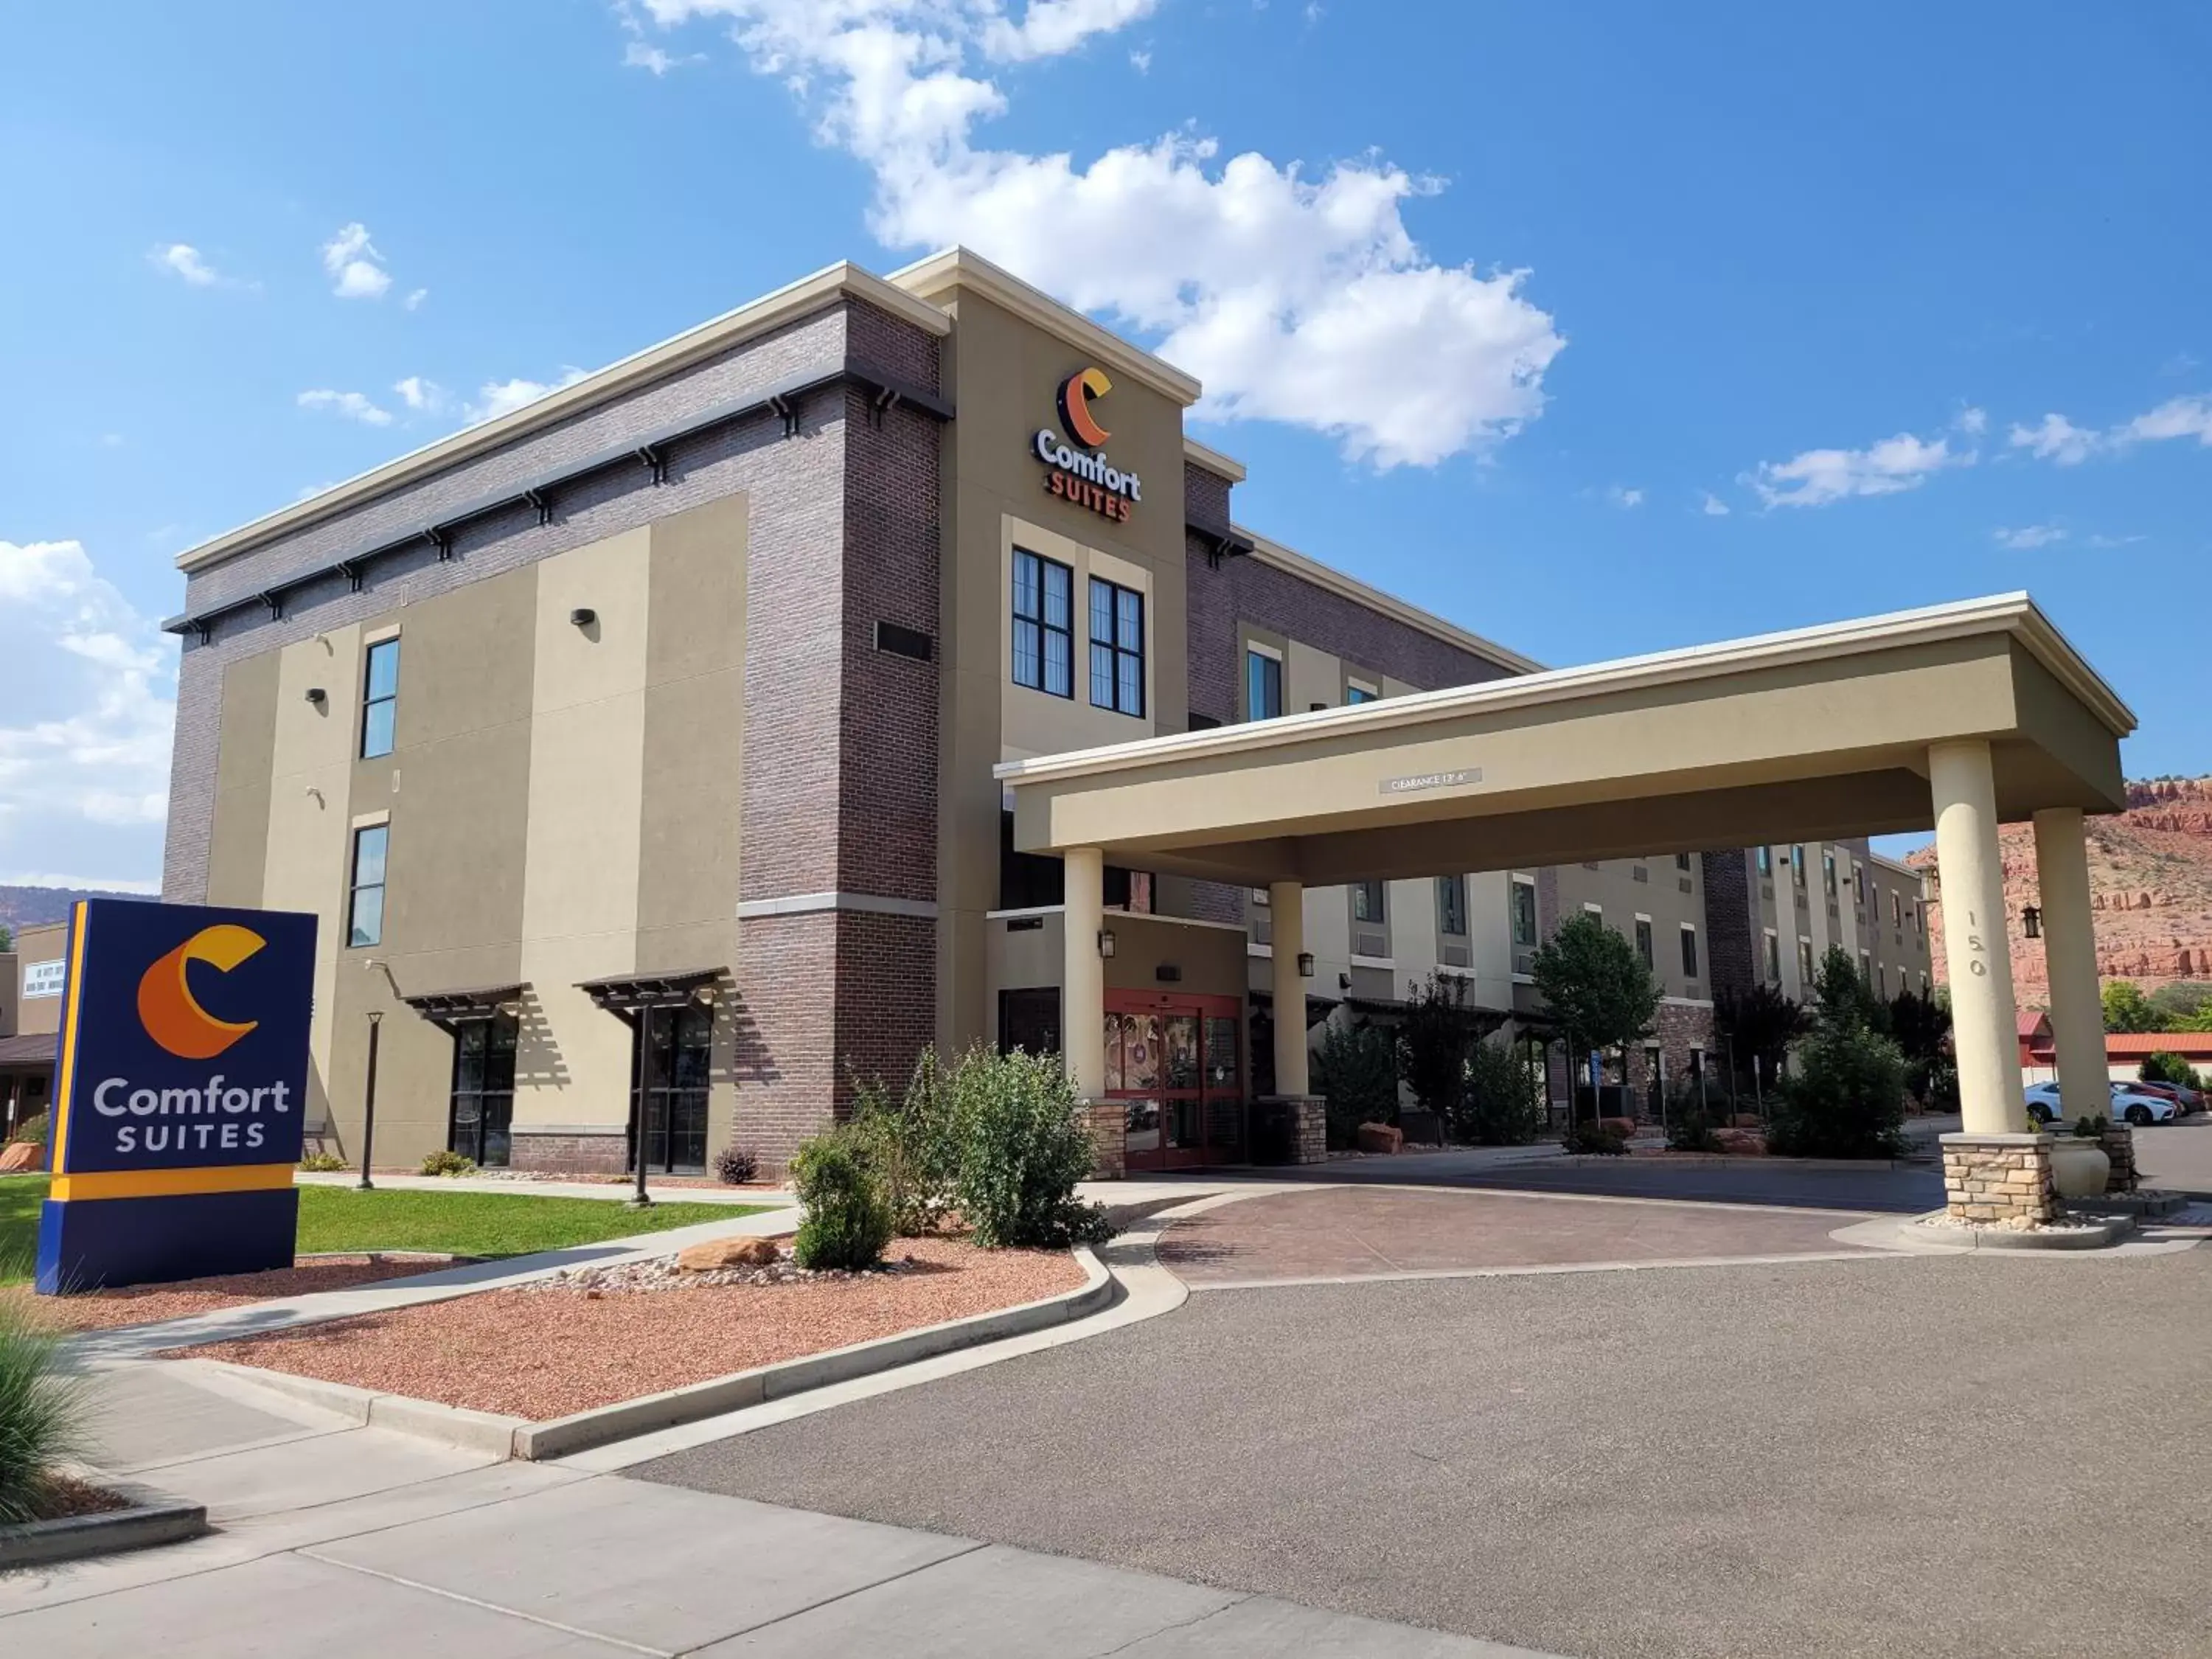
[[2084, 1233], [501, 1435], [154, 1518]]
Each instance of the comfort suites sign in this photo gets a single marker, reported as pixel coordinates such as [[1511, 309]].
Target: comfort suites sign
[[1080, 472]]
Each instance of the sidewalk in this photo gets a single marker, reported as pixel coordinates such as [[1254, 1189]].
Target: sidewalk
[[619, 1192], [352, 1543]]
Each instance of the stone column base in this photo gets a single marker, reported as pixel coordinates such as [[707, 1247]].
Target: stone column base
[[1109, 1128], [1295, 1127], [2118, 1141], [1998, 1180]]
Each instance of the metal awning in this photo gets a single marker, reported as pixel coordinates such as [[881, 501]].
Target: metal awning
[[33, 1052], [629, 993], [452, 1008]]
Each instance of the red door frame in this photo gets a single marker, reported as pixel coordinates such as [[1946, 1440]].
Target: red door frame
[[1203, 1098]]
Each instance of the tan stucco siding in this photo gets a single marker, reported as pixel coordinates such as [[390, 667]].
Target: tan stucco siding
[[238, 844]]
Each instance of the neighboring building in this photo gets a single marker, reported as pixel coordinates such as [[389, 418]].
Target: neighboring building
[[2124, 1051], [635, 748], [31, 979], [1777, 910]]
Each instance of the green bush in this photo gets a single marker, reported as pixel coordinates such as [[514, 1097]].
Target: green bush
[[1586, 1134], [1846, 1098], [2166, 1067], [41, 1412], [1502, 1104], [322, 1163], [445, 1163], [848, 1222], [1356, 1073], [913, 1146], [1023, 1146], [1690, 1128], [736, 1165], [32, 1131]]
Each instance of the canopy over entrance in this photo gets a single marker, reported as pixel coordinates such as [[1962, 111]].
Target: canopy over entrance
[[1963, 715]]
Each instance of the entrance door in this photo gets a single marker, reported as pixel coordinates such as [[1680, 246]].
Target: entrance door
[[675, 1090], [1174, 1061], [484, 1090]]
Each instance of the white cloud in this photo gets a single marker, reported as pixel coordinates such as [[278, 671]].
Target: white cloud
[[85, 730], [1713, 507], [497, 397], [414, 298], [1819, 476], [183, 260], [2030, 536], [1141, 62], [421, 397], [1972, 421], [2057, 438], [351, 404], [1624, 498], [2101, 540], [356, 268], [1295, 295], [2176, 418]]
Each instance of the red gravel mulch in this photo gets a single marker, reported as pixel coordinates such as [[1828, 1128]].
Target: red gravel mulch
[[64, 1497], [145, 1304], [544, 1353]]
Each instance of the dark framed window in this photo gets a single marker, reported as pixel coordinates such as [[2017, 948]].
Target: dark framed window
[[379, 698], [675, 1077], [1524, 914], [1689, 952], [1766, 861], [1368, 902], [1451, 905], [1355, 692], [1044, 625], [1027, 881], [1029, 1019], [1263, 686], [365, 899], [1644, 940], [1797, 865], [482, 1110], [1773, 959], [1681, 860], [1117, 647]]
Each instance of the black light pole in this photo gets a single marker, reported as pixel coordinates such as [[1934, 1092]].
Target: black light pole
[[368, 1105], [640, 1200]]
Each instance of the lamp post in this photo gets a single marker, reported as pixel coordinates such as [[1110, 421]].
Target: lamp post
[[639, 1199], [368, 1104]]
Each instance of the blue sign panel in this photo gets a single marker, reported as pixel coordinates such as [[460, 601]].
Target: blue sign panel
[[179, 1101]]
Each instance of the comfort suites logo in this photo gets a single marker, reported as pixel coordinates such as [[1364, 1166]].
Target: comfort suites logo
[[1083, 475], [173, 1016]]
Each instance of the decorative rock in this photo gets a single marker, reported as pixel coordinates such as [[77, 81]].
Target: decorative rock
[[717, 1254], [20, 1155], [1379, 1138]]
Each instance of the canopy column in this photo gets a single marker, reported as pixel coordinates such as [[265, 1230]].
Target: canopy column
[[1286, 909], [1083, 980]]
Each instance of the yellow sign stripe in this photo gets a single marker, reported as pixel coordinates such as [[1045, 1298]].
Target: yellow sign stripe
[[165, 1183], [73, 1001]]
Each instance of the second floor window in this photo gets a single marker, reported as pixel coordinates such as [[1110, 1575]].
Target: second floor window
[[379, 699], [1773, 959], [1044, 625], [1367, 901], [1263, 686], [365, 904], [1797, 865], [1451, 905], [1355, 692], [1117, 647], [1766, 861], [1524, 914], [1643, 941], [1681, 860], [1828, 872], [1805, 965], [1689, 952]]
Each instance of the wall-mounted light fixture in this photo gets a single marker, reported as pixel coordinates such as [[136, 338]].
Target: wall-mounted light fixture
[[583, 616], [317, 696], [1106, 942], [1343, 982], [2030, 919], [1305, 964]]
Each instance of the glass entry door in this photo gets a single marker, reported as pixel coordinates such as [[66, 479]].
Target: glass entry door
[[483, 1090], [1174, 1061], [675, 1077]]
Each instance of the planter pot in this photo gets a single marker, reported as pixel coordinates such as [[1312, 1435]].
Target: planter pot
[[2079, 1169]]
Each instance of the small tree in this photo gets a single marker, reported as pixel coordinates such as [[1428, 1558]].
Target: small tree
[[1435, 1039], [2165, 1067], [1022, 1149], [913, 1146], [7, 939], [847, 1220], [2127, 1009], [2178, 1003], [1847, 1099], [1920, 1024], [1598, 989], [1503, 1103], [1759, 1024], [1357, 1072]]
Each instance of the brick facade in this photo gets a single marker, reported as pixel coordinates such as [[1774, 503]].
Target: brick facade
[[1731, 934], [569, 1154]]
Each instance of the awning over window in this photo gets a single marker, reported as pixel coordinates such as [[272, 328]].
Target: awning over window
[[629, 993], [451, 1008]]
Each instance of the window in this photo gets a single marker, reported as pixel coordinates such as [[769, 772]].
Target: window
[[1797, 865], [1859, 886], [1896, 911], [1773, 959], [1766, 861], [379, 699], [1355, 692], [1044, 625], [1263, 686], [1127, 890], [1524, 914], [1689, 952], [365, 911], [1451, 905], [1828, 872], [1681, 860], [1881, 981], [1643, 941], [1030, 1020], [1919, 918], [483, 1106], [1368, 903], [1027, 881], [1866, 967], [675, 1072], [1117, 647], [1805, 963]]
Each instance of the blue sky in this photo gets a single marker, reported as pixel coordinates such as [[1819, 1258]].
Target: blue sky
[[1596, 329]]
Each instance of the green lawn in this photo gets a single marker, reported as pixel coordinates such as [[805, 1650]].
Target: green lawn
[[465, 1223]]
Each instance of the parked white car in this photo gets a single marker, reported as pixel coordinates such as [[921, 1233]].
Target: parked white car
[[2127, 1105]]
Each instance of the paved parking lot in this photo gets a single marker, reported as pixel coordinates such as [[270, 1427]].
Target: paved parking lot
[[1971, 1456]]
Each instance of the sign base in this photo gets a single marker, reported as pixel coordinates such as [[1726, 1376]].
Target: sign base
[[85, 1243]]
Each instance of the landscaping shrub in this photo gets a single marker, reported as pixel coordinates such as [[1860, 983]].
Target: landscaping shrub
[[1434, 1040], [2166, 1067], [1846, 1098], [1022, 1147], [848, 1222], [915, 1145], [1689, 1129], [322, 1163], [1502, 1104], [32, 1131], [445, 1163], [41, 1412], [735, 1165], [1603, 1135], [1357, 1072]]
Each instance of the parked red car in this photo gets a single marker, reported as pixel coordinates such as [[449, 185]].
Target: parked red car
[[2188, 1099]]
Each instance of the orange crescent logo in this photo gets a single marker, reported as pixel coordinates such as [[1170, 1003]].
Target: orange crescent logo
[[167, 1008], [1076, 392]]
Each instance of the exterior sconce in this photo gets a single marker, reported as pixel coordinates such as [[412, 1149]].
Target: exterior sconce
[[317, 696], [1343, 982], [1305, 964], [2030, 919], [583, 616], [1106, 943]]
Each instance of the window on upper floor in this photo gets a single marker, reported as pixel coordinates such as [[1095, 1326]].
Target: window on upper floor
[[1263, 686], [1896, 911], [1766, 861], [1828, 872], [1689, 950], [1805, 965], [1117, 647], [379, 699], [1681, 860], [1451, 905], [365, 899], [1773, 959], [1356, 692], [1370, 901], [1643, 941], [1524, 914], [1797, 865], [1044, 625]]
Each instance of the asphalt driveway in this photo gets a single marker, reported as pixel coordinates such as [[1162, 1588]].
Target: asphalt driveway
[[1969, 1455]]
